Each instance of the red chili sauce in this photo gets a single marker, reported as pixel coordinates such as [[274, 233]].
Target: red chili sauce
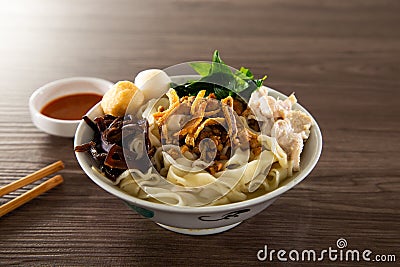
[[70, 107]]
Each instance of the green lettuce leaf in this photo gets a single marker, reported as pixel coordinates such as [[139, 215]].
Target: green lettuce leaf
[[220, 79], [202, 68]]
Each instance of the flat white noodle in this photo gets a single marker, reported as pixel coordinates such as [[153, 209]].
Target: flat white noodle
[[148, 179], [276, 176], [233, 196], [231, 184], [254, 172], [154, 135], [165, 195], [263, 165], [240, 157], [272, 144], [129, 185], [179, 177], [164, 191], [137, 145], [157, 159], [182, 162]]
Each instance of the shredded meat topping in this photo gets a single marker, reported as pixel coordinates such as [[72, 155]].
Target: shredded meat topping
[[205, 118]]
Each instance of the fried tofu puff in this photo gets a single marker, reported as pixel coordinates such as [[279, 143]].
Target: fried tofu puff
[[118, 99]]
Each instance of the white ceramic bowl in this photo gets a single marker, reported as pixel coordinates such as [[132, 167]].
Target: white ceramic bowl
[[201, 220], [59, 88]]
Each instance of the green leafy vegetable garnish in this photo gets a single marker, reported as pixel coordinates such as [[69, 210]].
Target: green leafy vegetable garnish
[[220, 79]]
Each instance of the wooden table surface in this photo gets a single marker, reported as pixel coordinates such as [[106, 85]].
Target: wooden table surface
[[342, 58]]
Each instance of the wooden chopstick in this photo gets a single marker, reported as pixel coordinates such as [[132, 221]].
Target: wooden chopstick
[[52, 168], [31, 194], [34, 192]]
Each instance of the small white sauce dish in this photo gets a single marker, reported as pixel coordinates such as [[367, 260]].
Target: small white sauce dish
[[57, 89]]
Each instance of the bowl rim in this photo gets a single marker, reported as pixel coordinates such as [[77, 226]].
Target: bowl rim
[[198, 210], [59, 82]]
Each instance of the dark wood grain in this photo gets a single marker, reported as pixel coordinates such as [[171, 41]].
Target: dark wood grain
[[342, 58]]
